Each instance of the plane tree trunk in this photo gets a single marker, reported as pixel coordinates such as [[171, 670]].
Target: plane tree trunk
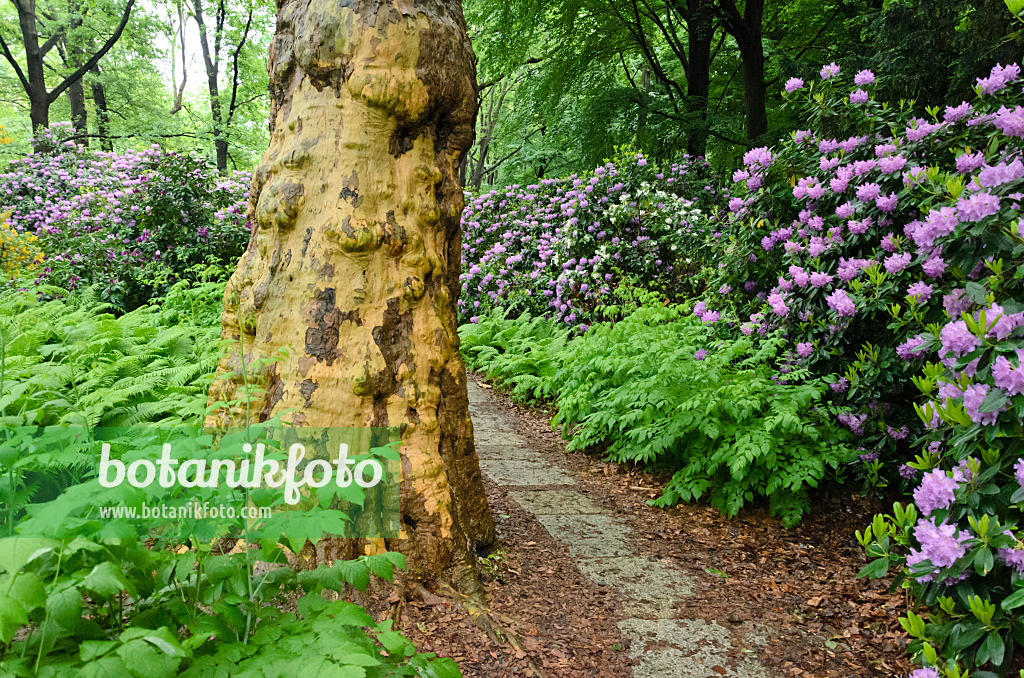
[[355, 255]]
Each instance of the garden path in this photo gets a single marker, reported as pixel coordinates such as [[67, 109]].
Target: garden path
[[607, 551]]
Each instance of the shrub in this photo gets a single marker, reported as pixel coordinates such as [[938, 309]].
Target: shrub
[[921, 286], [858, 234], [561, 247], [132, 224], [661, 390]]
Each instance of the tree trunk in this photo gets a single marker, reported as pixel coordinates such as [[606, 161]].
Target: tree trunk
[[755, 91], [38, 97], [701, 31], [211, 61], [99, 99], [355, 254], [643, 105], [748, 30]]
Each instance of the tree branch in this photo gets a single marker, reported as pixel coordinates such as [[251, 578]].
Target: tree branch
[[17, 68], [95, 59], [234, 69]]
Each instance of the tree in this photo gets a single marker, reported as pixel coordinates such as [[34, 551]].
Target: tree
[[211, 39], [33, 76], [355, 255], [746, 28]]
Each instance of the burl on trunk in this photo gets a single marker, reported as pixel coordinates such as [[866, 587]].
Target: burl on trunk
[[354, 259]]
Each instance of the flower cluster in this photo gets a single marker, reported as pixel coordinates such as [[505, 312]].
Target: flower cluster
[[562, 247], [866, 240], [19, 252], [131, 223]]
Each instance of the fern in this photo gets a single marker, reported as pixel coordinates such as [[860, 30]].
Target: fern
[[723, 426]]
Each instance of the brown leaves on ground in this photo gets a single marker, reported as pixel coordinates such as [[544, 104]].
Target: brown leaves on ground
[[799, 584]]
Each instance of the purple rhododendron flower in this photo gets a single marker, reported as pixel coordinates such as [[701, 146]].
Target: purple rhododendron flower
[[920, 292], [895, 263], [936, 491], [761, 157], [974, 396], [886, 203], [908, 350], [868, 192], [840, 302], [934, 267], [1001, 173], [819, 279], [957, 339], [956, 302], [778, 304], [968, 162], [1008, 378], [955, 113], [793, 84], [977, 207], [804, 349], [858, 96], [841, 385], [892, 164], [926, 672], [942, 545], [1010, 121], [998, 78], [700, 354], [830, 71], [864, 77]]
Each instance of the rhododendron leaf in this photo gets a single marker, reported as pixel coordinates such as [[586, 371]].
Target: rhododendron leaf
[[1014, 600], [991, 650]]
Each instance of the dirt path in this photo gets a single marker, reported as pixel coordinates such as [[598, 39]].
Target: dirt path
[[663, 642], [599, 585]]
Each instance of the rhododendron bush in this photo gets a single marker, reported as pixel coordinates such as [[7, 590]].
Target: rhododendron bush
[[130, 223], [560, 248], [889, 247], [866, 234]]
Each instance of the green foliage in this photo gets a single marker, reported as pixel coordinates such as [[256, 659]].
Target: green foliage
[[72, 362], [660, 390], [175, 602], [523, 354]]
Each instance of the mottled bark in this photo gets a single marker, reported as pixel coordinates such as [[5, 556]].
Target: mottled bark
[[355, 254]]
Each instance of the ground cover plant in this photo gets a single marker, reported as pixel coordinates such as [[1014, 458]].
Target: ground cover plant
[[659, 389], [77, 600]]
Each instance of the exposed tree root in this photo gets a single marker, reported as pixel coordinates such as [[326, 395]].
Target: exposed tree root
[[498, 627]]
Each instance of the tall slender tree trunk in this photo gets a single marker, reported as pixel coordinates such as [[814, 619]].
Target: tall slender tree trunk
[[211, 61], [99, 100], [39, 100], [354, 259], [643, 107], [755, 90], [701, 32], [747, 28], [76, 91]]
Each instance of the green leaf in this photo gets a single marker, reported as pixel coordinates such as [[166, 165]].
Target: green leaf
[[16, 552], [1014, 600], [107, 667], [983, 560], [876, 569], [12, 617], [105, 580], [991, 650], [994, 401]]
